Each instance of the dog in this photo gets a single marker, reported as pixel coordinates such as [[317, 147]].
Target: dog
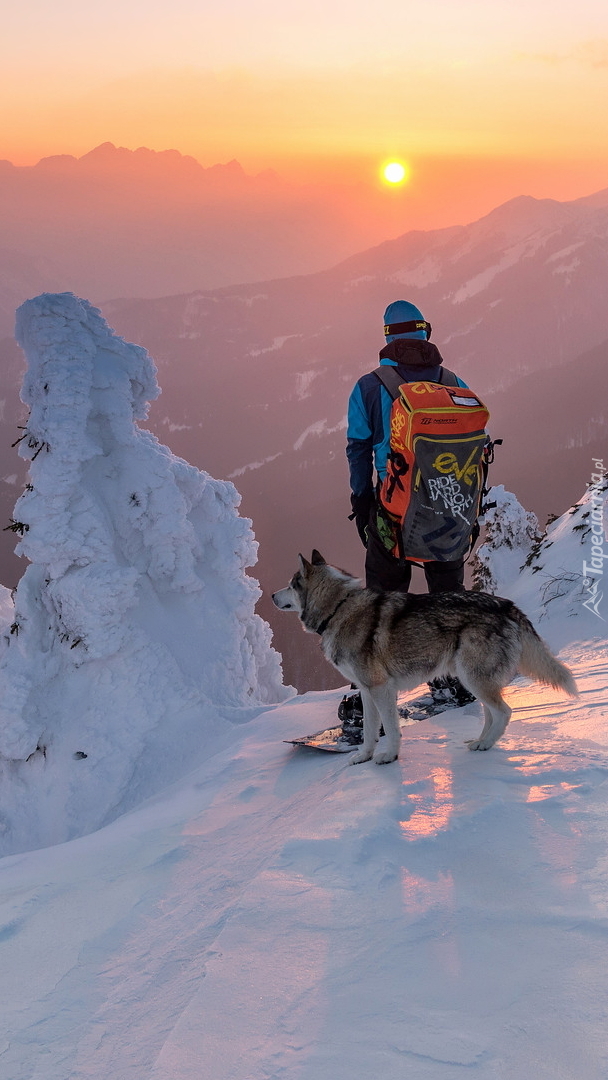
[[385, 642]]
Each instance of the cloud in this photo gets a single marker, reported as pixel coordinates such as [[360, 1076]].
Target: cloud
[[589, 54], [593, 53]]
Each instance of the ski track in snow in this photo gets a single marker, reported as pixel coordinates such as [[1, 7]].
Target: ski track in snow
[[279, 914]]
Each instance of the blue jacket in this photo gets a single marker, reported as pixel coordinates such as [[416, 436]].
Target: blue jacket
[[369, 409]]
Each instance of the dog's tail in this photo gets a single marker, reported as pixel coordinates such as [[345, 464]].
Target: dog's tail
[[537, 662]]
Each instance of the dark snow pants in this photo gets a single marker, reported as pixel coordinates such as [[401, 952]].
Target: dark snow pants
[[385, 573]]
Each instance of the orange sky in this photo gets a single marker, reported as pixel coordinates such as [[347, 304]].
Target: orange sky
[[480, 96]]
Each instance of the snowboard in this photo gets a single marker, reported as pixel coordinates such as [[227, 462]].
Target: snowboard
[[336, 741]]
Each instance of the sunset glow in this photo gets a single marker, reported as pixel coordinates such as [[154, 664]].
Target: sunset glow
[[495, 101]]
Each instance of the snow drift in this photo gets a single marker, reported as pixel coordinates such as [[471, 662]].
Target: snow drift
[[133, 646]]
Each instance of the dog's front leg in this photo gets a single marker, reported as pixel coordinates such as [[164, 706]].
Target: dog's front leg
[[385, 700], [371, 730]]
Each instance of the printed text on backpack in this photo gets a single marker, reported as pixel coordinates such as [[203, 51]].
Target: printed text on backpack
[[429, 500]]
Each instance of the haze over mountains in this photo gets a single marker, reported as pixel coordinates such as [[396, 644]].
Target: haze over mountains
[[118, 222], [256, 377]]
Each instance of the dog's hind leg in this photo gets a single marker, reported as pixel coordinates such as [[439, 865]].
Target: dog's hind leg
[[497, 715], [371, 729], [385, 698]]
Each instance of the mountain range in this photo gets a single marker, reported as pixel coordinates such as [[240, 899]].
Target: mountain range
[[118, 222], [256, 377]]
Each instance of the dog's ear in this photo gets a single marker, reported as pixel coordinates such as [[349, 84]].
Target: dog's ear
[[304, 565], [317, 558]]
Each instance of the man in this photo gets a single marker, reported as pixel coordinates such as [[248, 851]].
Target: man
[[368, 435]]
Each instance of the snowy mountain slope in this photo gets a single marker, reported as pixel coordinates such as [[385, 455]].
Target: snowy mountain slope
[[518, 290], [278, 914], [133, 643]]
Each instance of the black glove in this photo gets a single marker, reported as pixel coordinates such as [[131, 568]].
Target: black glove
[[362, 506]]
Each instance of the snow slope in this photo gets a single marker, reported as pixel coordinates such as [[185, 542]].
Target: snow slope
[[279, 915]]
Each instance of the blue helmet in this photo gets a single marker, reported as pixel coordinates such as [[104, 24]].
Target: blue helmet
[[405, 320]]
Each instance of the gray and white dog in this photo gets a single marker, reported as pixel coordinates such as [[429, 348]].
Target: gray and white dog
[[385, 642]]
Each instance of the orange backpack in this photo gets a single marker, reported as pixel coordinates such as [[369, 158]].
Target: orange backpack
[[429, 501]]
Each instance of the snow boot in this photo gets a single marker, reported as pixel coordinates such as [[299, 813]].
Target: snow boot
[[350, 715], [449, 691]]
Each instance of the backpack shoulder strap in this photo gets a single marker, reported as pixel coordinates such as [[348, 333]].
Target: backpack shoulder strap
[[390, 379], [447, 377]]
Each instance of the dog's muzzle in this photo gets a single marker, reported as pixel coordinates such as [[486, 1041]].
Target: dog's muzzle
[[283, 600]]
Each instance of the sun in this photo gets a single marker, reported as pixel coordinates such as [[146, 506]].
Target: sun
[[395, 172]]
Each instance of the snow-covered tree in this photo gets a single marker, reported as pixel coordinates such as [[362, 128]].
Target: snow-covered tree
[[134, 637], [556, 577], [510, 535]]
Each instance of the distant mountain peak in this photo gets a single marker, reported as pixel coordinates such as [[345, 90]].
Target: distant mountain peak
[[120, 159], [597, 199], [109, 154], [56, 161], [231, 168], [104, 150], [523, 208]]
